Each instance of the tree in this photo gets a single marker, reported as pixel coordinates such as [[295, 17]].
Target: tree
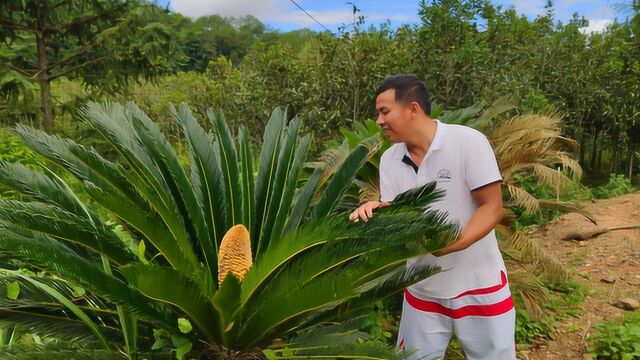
[[103, 43]]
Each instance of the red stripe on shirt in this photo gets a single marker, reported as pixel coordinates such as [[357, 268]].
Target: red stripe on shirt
[[496, 309], [487, 290]]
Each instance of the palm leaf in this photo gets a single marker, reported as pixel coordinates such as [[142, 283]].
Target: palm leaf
[[340, 181], [95, 329], [206, 176], [278, 207], [49, 254], [267, 169], [116, 126], [58, 327], [248, 185], [230, 170], [66, 226], [183, 293]]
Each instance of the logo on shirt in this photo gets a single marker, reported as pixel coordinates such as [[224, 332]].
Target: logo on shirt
[[444, 175]]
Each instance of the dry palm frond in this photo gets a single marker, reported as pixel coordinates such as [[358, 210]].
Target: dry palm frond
[[521, 197], [567, 206], [531, 291], [529, 141], [333, 158], [369, 190], [551, 177], [532, 256], [330, 161]]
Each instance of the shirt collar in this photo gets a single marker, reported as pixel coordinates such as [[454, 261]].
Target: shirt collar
[[401, 151]]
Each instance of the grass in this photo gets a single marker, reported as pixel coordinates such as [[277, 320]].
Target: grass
[[617, 340]]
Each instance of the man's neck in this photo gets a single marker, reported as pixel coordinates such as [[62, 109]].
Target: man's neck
[[421, 140]]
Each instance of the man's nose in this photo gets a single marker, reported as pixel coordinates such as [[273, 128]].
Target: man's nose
[[380, 120]]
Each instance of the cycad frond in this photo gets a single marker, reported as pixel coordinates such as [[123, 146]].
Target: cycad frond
[[58, 327], [51, 255], [60, 224], [533, 256]]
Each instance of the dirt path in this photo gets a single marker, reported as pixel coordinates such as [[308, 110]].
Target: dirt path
[[614, 256]]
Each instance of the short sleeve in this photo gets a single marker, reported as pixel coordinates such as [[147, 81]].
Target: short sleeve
[[387, 192], [481, 167]]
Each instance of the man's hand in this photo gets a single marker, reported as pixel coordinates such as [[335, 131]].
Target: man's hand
[[365, 211]]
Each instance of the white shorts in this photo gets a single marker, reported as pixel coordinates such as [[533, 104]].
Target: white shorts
[[482, 319]]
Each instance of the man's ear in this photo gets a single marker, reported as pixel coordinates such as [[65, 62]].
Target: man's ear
[[415, 108]]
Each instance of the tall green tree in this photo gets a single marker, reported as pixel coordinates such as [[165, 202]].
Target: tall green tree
[[103, 43]]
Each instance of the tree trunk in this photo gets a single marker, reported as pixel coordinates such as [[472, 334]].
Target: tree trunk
[[581, 140], [631, 156], [599, 159], [594, 149], [46, 106], [46, 100], [613, 164]]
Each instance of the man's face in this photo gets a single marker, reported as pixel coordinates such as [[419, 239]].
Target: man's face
[[393, 117]]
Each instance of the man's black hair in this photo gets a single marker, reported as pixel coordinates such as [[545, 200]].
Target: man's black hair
[[409, 88]]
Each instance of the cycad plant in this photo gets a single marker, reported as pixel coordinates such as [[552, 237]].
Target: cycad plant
[[208, 253]]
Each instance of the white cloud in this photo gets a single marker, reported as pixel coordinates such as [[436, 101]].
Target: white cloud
[[528, 7], [279, 11], [257, 8], [597, 25]]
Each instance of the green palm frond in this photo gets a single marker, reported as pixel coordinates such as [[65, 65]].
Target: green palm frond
[[277, 206], [49, 254], [340, 181], [248, 185], [49, 352], [106, 184], [189, 215], [229, 164], [206, 177], [115, 124], [333, 339], [267, 170], [59, 327], [58, 223], [184, 294]]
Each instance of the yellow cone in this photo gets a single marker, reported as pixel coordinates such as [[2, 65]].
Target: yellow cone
[[235, 253]]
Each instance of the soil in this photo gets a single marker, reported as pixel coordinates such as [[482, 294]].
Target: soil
[[608, 265]]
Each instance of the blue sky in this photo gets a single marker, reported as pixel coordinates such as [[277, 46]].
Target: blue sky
[[284, 15]]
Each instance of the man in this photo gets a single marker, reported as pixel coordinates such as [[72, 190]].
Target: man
[[471, 297]]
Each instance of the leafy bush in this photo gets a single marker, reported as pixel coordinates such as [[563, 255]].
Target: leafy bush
[[615, 341], [618, 185], [13, 149], [528, 330]]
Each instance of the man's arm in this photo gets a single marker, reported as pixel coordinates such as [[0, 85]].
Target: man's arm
[[484, 219]]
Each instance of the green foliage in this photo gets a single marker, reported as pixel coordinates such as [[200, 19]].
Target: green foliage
[[618, 185], [103, 43], [306, 253], [529, 330], [617, 340], [12, 149]]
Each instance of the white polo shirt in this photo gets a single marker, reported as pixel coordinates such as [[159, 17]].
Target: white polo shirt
[[460, 159]]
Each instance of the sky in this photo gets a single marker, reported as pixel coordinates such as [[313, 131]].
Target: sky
[[284, 15]]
